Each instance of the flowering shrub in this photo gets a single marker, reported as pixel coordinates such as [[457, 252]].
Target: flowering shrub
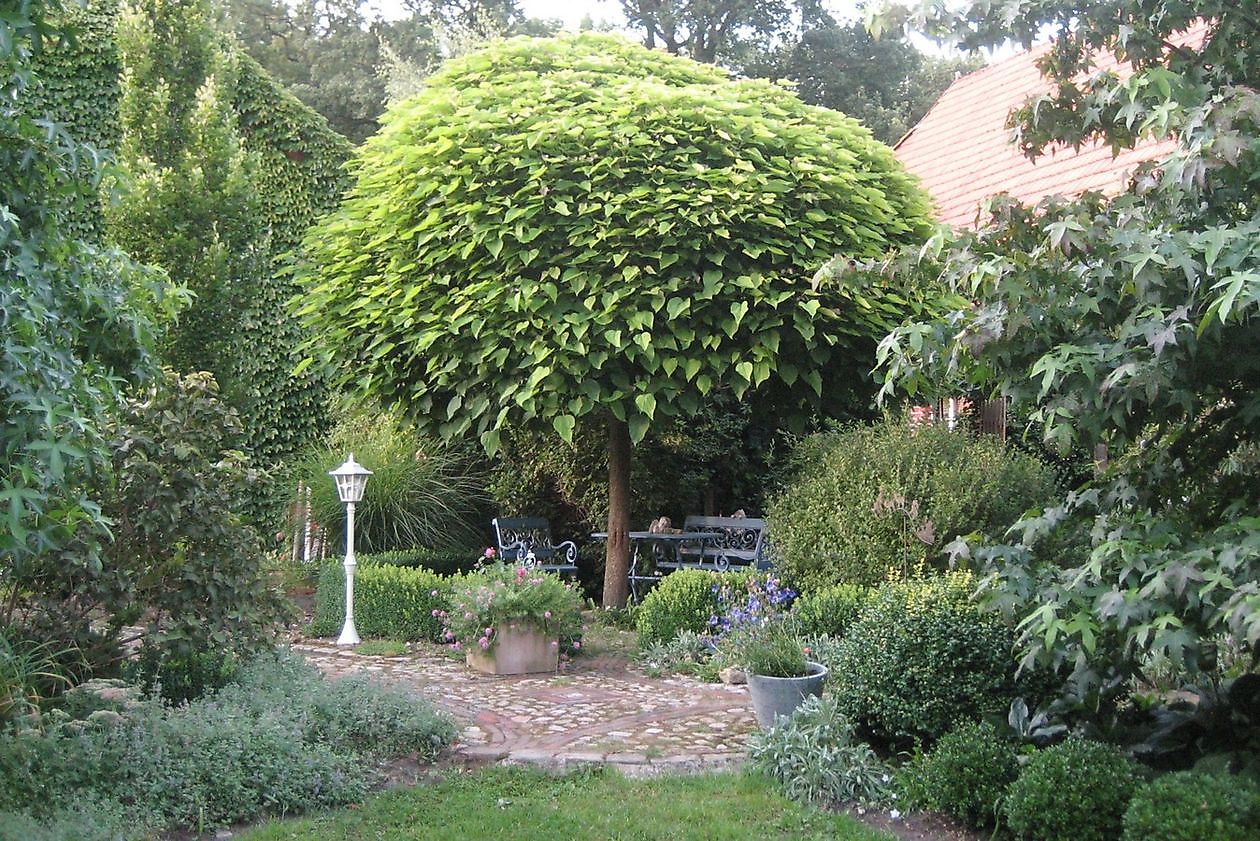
[[755, 629], [485, 601]]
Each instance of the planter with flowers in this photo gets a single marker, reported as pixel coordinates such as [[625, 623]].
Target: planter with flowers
[[759, 635], [512, 620]]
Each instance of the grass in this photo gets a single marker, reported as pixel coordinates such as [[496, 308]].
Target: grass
[[381, 648], [515, 803], [602, 639]]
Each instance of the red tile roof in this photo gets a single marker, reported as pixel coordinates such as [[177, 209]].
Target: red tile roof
[[962, 151]]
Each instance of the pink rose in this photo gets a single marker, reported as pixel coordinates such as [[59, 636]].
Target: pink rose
[[546, 614], [576, 645]]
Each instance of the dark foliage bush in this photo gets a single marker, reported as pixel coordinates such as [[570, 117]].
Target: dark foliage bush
[[829, 611], [920, 656], [277, 740], [180, 677], [683, 601], [1077, 790], [826, 526], [389, 601], [1193, 806], [966, 775]]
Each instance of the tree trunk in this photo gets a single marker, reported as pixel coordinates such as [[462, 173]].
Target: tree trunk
[[617, 559]]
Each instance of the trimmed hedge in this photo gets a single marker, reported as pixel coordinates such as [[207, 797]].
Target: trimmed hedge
[[441, 561], [966, 775], [920, 657], [1075, 791], [684, 600], [1193, 806], [389, 601], [829, 611]]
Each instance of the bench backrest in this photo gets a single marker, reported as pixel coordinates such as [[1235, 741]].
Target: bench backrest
[[522, 534], [742, 540]]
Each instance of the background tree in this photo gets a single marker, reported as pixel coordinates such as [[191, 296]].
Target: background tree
[[605, 233], [327, 54], [707, 30], [885, 82], [1132, 322]]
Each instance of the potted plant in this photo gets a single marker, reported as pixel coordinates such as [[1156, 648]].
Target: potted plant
[[511, 620], [759, 635]]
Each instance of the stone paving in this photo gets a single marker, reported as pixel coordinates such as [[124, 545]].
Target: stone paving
[[598, 710]]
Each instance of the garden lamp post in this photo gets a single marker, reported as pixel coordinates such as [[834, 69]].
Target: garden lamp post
[[351, 478]]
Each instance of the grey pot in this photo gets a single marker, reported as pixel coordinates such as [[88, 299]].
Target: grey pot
[[776, 696]]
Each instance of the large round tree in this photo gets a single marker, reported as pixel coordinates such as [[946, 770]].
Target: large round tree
[[579, 226]]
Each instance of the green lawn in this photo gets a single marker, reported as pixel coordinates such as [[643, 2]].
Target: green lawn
[[504, 803]]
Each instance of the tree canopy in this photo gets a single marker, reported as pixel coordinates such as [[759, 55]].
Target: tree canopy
[[1132, 322], [885, 82], [571, 227]]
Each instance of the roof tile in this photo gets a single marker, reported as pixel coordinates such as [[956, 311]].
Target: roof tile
[[963, 153]]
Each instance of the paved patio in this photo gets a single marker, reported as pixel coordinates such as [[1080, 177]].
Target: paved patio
[[597, 710]]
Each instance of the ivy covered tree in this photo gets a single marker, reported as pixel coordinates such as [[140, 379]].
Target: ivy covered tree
[[581, 228], [1131, 322], [221, 172]]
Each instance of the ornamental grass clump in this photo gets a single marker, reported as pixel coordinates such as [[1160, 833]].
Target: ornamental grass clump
[[498, 596]]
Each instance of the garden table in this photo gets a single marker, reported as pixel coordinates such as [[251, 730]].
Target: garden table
[[653, 551]]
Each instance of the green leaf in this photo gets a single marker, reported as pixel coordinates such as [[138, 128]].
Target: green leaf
[[564, 425], [638, 426]]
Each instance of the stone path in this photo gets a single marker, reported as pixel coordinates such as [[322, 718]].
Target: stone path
[[598, 710]]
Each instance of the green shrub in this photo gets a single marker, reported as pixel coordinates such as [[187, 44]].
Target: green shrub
[[1193, 806], [442, 561], [685, 600], [966, 775], [934, 484], [85, 821], [353, 715], [829, 611], [180, 677], [921, 656], [389, 601], [819, 759], [1075, 791], [421, 493], [279, 739]]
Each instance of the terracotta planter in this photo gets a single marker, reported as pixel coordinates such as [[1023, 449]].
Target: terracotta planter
[[520, 651], [780, 696]]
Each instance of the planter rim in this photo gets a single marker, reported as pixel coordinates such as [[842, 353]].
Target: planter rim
[[815, 670]]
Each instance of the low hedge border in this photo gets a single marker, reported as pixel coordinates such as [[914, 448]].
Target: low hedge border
[[389, 601]]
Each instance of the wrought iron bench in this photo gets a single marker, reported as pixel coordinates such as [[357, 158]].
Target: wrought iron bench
[[528, 540], [734, 542]]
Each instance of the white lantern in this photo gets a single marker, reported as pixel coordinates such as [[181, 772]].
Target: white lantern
[[351, 479]]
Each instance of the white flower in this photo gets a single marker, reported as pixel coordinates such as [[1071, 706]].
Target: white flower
[[895, 814]]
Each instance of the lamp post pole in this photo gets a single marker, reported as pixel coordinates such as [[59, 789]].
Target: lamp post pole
[[351, 478], [349, 636]]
